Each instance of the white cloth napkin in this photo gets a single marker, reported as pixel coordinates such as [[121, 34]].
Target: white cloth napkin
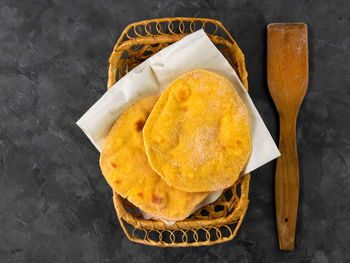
[[153, 76]]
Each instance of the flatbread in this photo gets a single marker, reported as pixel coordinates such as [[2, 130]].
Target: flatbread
[[211, 197], [126, 168], [197, 136]]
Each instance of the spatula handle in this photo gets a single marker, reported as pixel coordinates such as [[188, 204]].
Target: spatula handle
[[287, 184]]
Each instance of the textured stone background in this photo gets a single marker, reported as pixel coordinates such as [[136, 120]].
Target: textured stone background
[[54, 204]]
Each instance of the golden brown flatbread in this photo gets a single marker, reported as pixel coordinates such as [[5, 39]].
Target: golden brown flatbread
[[197, 136], [126, 168]]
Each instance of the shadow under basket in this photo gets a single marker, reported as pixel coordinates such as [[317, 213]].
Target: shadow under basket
[[217, 222]]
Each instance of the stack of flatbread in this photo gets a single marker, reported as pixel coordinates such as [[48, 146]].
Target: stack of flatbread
[[172, 154]]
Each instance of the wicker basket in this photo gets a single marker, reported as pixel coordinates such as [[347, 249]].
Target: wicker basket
[[214, 223]]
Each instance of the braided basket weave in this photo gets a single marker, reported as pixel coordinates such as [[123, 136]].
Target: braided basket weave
[[214, 223]]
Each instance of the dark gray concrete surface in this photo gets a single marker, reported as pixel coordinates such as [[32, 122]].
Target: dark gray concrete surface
[[55, 205]]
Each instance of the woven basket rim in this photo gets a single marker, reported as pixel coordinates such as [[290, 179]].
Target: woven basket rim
[[123, 45], [172, 19]]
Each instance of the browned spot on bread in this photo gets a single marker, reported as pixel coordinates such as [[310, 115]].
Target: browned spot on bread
[[140, 195], [139, 125], [238, 142], [157, 199], [182, 93], [117, 181], [114, 165], [184, 109]]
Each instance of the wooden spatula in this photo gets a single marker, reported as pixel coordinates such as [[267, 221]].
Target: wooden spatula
[[287, 76]]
